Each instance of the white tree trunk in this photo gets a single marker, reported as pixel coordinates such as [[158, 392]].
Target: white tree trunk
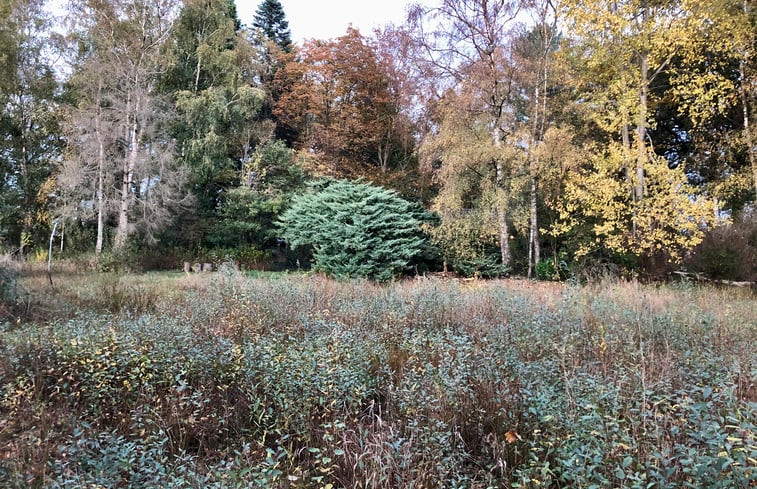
[[745, 107], [504, 231], [100, 171], [127, 181]]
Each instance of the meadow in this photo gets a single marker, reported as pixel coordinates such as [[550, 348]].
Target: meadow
[[225, 380]]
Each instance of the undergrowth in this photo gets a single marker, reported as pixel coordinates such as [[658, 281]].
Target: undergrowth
[[300, 382]]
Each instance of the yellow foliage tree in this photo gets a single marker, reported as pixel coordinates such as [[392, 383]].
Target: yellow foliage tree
[[670, 219], [632, 200], [478, 180]]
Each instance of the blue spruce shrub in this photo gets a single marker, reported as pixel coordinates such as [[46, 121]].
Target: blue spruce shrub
[[356, 229]]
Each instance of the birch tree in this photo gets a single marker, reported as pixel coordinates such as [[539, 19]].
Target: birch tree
[[533, 55], [116, 82], [464, 45], [651, 210], [209, 78]]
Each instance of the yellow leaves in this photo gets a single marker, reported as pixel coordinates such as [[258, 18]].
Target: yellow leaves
[[670, 219], [704, 95], [733, 186]]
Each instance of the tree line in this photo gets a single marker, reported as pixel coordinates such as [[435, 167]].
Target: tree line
[[540, 134]]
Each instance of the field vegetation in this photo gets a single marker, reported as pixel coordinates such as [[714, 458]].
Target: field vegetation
[[297, 381]]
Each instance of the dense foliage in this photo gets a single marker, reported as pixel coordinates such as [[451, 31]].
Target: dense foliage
[[614, 137], [356, 229], [305, 382], [271, 20]]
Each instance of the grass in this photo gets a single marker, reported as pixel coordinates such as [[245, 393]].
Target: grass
[[226, 380]]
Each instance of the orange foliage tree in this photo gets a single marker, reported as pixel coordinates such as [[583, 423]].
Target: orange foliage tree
[[341, 99]]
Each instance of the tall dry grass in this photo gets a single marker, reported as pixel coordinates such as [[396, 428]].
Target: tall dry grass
[[221, 380]]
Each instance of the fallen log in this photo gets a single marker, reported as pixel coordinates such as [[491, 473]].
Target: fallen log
[[702, 278]]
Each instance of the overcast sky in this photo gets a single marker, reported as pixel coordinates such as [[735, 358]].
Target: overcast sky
[[326, 19]]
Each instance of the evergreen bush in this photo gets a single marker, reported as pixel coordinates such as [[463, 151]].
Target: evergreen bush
[[356, 229]]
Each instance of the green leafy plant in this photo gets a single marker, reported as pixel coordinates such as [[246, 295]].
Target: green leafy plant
[[552, 269], [225, 381]]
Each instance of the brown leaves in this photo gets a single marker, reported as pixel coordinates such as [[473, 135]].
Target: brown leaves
[[512, 436]]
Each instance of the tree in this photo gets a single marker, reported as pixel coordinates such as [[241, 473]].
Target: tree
[[249, 212], [210, 80], [270, 18], [532, 54], [466, 46], [29, 143], [470, 184], [709, 98], [356, 229], [668, 221], [119, 126], [637, 203], [273, 47], [339, 95]]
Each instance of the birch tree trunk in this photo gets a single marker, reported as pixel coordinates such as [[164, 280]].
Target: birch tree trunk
[[127, 180], [501, 205], [745, 106], [100, 170], [642, 125]]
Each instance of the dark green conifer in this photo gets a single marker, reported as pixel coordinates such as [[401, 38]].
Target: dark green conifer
[[270, 19]]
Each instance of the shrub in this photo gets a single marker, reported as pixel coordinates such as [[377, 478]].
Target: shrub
[[8, 289], [299, 382], [483, 267], [552, 270], [730, 251], [356, 229]]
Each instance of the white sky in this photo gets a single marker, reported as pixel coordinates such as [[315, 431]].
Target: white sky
[[327, 19]]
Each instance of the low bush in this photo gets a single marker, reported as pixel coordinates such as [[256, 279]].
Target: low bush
[[9, 288], [730, 251], [302, 382], [484, 267], [552, 269]]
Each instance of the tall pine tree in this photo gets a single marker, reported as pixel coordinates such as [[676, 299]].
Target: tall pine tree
[[270, 19]]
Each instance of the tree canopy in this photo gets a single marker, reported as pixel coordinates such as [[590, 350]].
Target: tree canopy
[[270, 18], [576, 132]]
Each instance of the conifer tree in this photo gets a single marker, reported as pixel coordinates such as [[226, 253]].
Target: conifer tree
[[356, 229], [270, 19]]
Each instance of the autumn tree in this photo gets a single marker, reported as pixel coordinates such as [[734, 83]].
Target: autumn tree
[[122, 119], [707, 99], [339, 97], [532, 55], [30, 144], [638, 204], [465, 46]]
